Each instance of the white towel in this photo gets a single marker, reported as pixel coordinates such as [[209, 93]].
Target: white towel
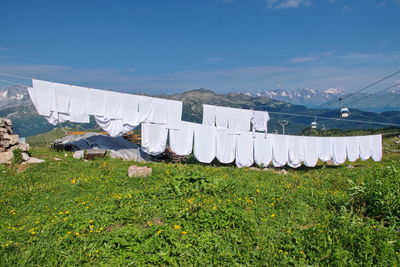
[[365, 147], [221, 117], [130, 110], [97, 102], [204, 143], [226, 146], [114, 127], [159, 111], [280, 150], [263, 148], [244, 149], [209, 115], [113, 108], [239, 120], [145, 108], [310, 151], [40, 94], [325, 148], [339, 150], [376, 147], [154, 138], [181, 140], [260, 120], [295, 150], [57, 118], [79, 104], [174, 112], [60, 98], [352, 148]]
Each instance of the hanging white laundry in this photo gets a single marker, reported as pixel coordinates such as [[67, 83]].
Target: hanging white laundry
[[174, 112], [145, 108], [209, 115], [310, 151], [97, 103], [114, 127], [40, 94], [365, 147], [204, 143], [260, 120], [280, 150], [226, 146], [79, 104], [295, 150], [154, 138], [221, 117], [339, 150], [57, 118], [263, 148], [130, 110], [159, 112], [181, 140], [239, 120], [60, 97], [244, 149], [376, 147], [325, 148], [113, 108], [352, 148]]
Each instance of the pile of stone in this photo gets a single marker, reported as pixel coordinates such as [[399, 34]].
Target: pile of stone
[[10, 142]]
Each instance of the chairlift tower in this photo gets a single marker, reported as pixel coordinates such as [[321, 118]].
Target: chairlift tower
[[283, 123]]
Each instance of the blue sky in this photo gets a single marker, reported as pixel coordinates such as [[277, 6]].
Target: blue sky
[[224, 45]]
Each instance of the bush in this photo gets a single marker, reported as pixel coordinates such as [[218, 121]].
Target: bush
[[18, 159]]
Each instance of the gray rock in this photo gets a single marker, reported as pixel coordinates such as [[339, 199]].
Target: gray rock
[[6, 157], [95, 153], [33, 160], [56, 159], [25, 156], [78, 154], [136, 171], [23, 147], [283, 171]]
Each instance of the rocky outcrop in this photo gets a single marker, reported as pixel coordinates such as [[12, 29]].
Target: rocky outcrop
[[10, 142]]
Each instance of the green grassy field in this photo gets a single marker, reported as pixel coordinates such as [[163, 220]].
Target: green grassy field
[[74, 212]]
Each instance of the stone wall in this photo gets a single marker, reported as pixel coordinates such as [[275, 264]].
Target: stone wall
[[9, 142]]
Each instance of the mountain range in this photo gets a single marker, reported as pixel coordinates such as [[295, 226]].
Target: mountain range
[[16, 105]]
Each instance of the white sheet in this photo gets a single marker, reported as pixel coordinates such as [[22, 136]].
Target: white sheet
[[244, 149], [145, 108], [113, 108], [260, 120], [204, 143], [40, 94], [365, 147], [154, 138], [376, 147], [221, 117], [60, 96], [114, 127], [209, 115], [310, 151], [325, 148], [263, 148], [181, 140], [159, 112], [130, 110], [226, 146], [352, 148], [239, 120], [174, 114], [280, 150], [97, 103], [295, 150], [339, 150], [79, 104]]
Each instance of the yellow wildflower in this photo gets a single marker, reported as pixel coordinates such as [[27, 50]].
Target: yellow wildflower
[[73, 181], [177, 227], [184, 233], [158, 232], [273, 215]]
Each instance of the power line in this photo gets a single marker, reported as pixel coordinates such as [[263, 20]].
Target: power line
[[387, 88]]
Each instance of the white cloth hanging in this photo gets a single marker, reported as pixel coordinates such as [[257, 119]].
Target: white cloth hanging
[[145, 108], [365, 147], [263, 148], [352, 148], [60, 96], [376, 147], [181, 140], [221, 117], [159, 111], [209, 115], [325, 148], [114, 127], [244, 149], [79, 104], [239, 120], [40, 94], [226, 146], [154, 138], [113, 108], [280, 150], [295, 150], [204, 143], [310, 151], [260, 120], [174, 114], [339, 150], [130, 110], [97, 103]]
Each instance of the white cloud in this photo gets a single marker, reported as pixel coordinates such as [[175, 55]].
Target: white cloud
[[278, 4], [304, 59]]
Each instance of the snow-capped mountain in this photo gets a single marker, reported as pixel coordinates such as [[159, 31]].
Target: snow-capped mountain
[[303, 96], [13, 96]]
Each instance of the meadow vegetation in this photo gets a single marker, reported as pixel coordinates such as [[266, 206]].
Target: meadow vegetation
[[75, 212]]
